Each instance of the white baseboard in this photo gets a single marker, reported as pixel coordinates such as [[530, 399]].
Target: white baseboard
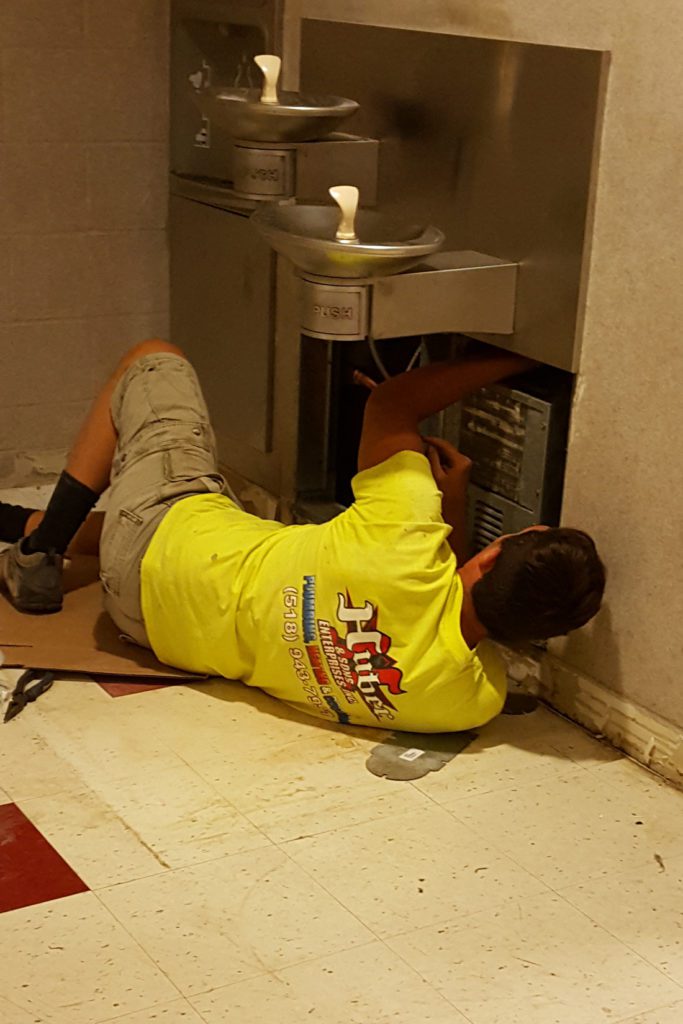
[[644, 736]]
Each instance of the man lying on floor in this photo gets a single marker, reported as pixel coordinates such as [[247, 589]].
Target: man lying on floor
[[367, 619]]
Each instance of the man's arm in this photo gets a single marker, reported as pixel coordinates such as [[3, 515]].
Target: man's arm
[[396, 407], [451, 472]]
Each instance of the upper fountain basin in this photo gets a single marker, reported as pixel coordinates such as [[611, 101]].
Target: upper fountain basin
[[294, 118]]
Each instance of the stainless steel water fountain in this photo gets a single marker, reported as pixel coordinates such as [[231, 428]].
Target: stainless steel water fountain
[[267, 125], [366, 274], [474, 163]]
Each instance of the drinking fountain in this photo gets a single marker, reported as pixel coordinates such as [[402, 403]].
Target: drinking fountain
[[366, 274], [284, 280], [273, 132], [344, 254]]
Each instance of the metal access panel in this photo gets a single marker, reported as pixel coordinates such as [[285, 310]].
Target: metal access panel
[[494, 142], [505, 433], [214, 42], [517, 443], [222, 311]]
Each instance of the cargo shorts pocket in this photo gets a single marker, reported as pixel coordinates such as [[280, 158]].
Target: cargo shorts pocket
[[184, 465], [119, 548]]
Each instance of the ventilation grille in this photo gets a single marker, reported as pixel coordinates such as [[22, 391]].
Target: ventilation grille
[[487, 526], [493, 433]]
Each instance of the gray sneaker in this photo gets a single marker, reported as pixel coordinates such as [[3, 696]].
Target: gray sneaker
[[34, 581]]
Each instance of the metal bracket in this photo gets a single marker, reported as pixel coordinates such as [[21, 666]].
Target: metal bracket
[[465, 291]]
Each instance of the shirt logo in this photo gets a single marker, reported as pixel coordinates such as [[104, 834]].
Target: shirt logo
[[348, 661], [373, 672]]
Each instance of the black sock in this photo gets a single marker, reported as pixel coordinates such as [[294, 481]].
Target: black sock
[[13, 519], [66, 512]]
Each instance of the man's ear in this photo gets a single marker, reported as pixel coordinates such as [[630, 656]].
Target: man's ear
[[480, 564], [486, 559]]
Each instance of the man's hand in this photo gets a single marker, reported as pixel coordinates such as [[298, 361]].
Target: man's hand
[[450, 468], [451, 472]]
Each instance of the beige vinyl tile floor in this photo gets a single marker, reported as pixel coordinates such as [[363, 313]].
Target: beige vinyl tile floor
[[237, 864]]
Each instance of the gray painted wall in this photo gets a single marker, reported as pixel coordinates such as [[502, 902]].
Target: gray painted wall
[[83, 139]]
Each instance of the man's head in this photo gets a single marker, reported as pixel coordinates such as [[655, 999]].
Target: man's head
[[535, 584]]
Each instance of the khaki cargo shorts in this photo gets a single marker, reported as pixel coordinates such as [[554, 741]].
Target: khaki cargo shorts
[[166, 451]]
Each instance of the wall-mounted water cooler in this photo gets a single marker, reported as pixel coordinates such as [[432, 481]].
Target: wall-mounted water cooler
[[459, 207]]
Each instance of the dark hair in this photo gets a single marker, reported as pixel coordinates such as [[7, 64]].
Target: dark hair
[[542, 584]]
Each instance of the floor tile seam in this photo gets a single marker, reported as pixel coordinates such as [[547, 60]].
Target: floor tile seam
[[256, 811], [452, 809], [515, 784], [127, 828], [588, 767], [658, 782], [575, 771], [632, 872], [550, 885], [625, 945], [636, 1018], [226, 800], [434, 987], [188, 866], [347, 910], [505, 854], [48, 1014], [332, 828], [606, 931], [384, 937], [270, 847], [122, 1019], [292, 965], [97, 787], [275, 972], [471, 915], [621, 941], [81, 871], [138, 945]]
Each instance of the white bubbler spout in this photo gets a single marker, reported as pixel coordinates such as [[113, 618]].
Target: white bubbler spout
[[270, 66], [346, 197]]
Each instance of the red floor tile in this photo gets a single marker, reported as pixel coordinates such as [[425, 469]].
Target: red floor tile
[[31, 871]]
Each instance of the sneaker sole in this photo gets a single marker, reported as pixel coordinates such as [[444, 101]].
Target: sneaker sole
[[37, 608]]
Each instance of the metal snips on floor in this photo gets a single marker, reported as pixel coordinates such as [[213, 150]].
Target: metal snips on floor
[[30, 685]]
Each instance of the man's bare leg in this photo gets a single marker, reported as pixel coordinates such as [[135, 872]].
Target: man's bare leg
[[32, 567], [92, 453]]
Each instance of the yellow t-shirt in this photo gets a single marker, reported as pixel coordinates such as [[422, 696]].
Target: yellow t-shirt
[[356, 620]]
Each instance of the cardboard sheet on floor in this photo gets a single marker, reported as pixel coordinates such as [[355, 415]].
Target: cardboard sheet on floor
[[79, 638]]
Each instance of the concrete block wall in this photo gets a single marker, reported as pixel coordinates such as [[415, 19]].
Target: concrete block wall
[[83, 196]]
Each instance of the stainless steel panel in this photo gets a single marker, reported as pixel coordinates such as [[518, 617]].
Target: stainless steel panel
[[341, 159], [464, 292], [492, 141], [211, 193], [215, 41], [222, 302]]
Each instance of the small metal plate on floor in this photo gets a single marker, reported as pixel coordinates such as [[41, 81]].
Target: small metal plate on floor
[[412, 755]]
